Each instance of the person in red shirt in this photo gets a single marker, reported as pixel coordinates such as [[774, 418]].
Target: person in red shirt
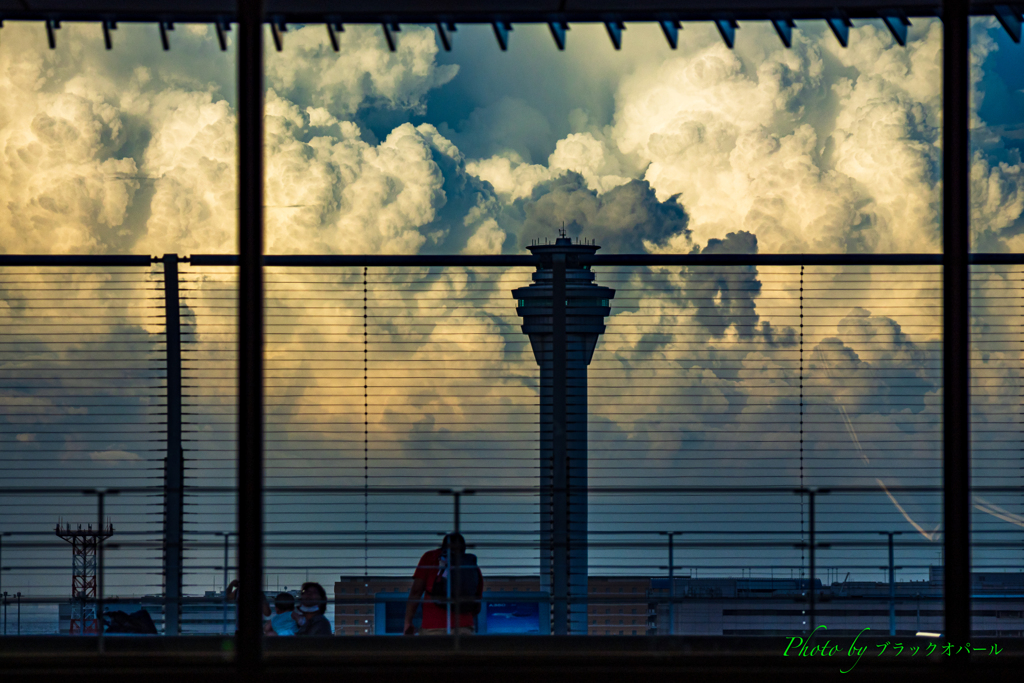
[[432, 567]]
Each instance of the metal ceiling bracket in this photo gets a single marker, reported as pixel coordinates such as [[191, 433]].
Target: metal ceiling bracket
[[784, 27], [1010, 18], [501, 29], [727, 27], [671, 30], [615, 29], [558, 29]]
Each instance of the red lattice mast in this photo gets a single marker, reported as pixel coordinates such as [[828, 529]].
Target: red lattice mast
[[84, 546]]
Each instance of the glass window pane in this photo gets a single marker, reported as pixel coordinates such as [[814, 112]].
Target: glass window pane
[[788, 377], [128, 152], [997, 216]]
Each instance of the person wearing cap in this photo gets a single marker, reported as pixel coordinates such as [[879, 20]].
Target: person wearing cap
[[309, 611]]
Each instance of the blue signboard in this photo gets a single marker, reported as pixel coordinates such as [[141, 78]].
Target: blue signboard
[[520, 618]]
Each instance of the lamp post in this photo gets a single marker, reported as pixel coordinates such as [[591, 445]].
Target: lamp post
[[227, 545], [892, 579]]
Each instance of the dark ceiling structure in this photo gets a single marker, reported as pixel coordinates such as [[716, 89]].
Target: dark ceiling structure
[[448, 14]]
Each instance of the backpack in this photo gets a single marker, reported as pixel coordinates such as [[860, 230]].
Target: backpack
[[465, 585]]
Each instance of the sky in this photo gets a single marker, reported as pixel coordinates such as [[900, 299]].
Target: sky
[[759, 149], [816, 148]]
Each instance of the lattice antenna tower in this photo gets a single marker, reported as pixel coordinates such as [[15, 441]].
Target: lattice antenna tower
[[85, 545]]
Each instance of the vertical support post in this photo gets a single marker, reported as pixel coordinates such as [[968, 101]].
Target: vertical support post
[[956, 418], [99, 575], [810, 557], [227, 541], [671, 584], [457, 499], [19, 619], [174, 466], [249, 645], [560, 460], [892, 587], [454, 567]]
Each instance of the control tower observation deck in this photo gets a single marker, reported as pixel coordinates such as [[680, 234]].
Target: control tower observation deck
[[563, 313]]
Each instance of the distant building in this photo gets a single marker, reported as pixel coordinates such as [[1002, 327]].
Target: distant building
[[615, 603], [762, 607], [630, 605], [619, 606]]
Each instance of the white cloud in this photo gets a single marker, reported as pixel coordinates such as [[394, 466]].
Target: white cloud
[[363, 72], [338, 193], [510, 176], [588, 156], [113, 456], [66, 185]]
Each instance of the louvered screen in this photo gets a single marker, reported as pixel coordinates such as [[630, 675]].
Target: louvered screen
[[82, 409], [997, 449], [386, 388], [732, 388], [209, 415]]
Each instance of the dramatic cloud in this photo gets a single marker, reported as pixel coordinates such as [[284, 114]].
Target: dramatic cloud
[[626, 219], [364, 73]]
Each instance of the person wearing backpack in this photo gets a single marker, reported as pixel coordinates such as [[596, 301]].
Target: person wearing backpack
[[449, 584]]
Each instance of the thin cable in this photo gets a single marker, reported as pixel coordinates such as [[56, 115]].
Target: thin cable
[[366, 433]]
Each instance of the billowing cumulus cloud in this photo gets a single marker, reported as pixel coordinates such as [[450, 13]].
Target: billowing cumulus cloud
[[64, 179], [364, 73], [745, 148], [339, 193]]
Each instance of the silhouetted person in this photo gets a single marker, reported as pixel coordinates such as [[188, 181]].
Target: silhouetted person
[[453, 585], [282, 623], [309, 611], [232, 595]]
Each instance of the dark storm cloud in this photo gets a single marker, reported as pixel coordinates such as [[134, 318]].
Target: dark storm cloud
[[895, 367], [725, 297], [620, 220]]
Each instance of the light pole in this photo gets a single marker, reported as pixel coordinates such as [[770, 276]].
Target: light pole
[[227, 541], [671, 580], [892, 580]]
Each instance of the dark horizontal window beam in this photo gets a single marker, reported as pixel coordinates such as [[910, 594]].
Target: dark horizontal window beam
[[458, 11], [513, 260]]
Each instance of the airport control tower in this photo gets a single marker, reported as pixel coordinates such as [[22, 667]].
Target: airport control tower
[[563, 313]]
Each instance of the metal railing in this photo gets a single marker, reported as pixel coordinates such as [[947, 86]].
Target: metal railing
[[673, 566]]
